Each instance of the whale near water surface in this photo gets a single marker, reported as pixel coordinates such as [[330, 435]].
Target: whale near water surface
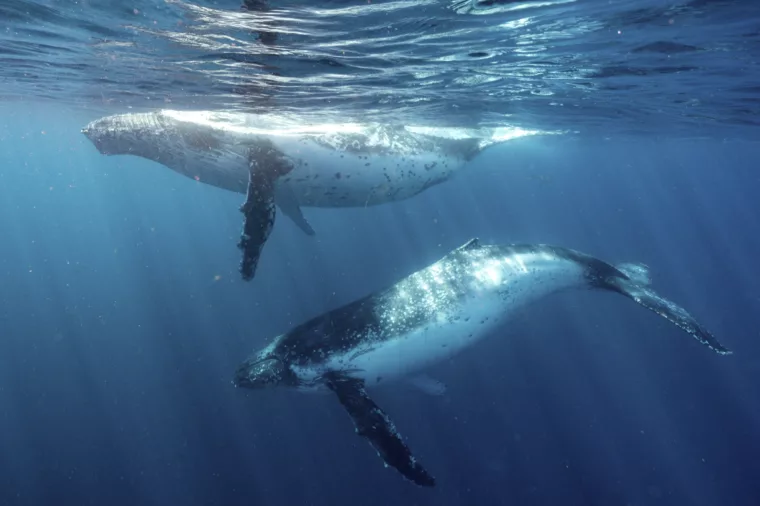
[[290, 165]]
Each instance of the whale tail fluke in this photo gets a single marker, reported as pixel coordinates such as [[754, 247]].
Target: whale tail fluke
[[635, 287]]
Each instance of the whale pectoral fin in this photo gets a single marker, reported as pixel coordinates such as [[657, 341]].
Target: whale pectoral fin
[[667, 309], [372, 423], [288, 204], [428, 385], [259, 212], [265, 165]]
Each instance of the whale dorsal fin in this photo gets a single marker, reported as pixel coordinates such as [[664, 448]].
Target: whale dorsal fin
[[471, 244], [639, 273]]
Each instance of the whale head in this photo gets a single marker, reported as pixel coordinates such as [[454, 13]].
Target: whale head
[[137, 134], [264, 372], [154, 135]]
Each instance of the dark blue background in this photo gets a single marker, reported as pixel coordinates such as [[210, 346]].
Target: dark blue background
[[117, 343]]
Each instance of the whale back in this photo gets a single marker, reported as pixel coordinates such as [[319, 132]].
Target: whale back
[[467, 284]]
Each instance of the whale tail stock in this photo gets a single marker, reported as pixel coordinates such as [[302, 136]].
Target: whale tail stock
[[632, 281]]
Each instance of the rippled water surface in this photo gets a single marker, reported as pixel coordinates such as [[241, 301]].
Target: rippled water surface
[[680, 68]]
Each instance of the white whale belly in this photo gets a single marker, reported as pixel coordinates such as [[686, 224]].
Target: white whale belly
[[321, 176], [411, 353], [326, 177], [499, 290]]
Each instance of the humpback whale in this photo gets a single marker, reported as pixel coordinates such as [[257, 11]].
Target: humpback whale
[[428, 317], [279, 164]]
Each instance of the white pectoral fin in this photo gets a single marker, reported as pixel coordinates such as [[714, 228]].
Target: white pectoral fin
[[427, 385], [288, 204]]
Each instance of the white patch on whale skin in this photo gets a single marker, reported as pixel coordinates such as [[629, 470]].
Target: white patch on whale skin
[[496, 287], [427, 385], [325, 177], [321, 177]]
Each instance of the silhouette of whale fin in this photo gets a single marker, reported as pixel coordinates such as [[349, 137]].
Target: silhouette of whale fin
[[265, 165], [288, 204], [372, 423]]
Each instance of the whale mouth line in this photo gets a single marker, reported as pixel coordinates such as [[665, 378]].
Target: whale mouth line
[[260, 373]]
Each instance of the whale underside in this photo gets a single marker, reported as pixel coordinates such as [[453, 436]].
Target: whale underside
[[289, 166], [430, 316]]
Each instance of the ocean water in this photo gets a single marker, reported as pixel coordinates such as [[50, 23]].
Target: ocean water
[[123, 316]]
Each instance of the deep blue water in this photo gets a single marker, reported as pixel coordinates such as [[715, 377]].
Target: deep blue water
[[123, 316], [118, 345]]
